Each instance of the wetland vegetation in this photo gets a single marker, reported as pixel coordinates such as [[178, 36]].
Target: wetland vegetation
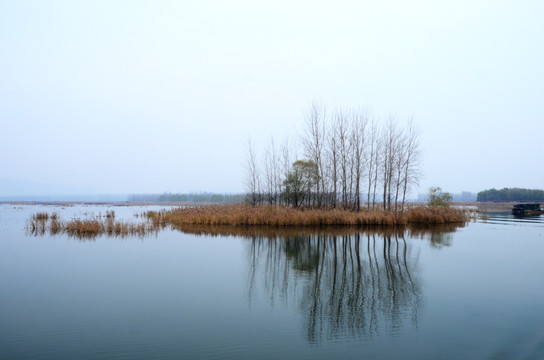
[[42, 223], [240, 216]]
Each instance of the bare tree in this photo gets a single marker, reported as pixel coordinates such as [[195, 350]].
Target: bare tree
[[389, 134], [344, 151], [412, 166], [343, 154], [332, 161], [285, 163], [400, 147], [358, 141], [372, 165], [253, 181], [271, 175], [313, 142]]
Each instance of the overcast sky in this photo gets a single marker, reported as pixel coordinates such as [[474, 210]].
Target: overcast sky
[[154, 96]]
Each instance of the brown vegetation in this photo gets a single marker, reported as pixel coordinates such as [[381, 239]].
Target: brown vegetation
[[282, 216], [246, 220], [42, 223]]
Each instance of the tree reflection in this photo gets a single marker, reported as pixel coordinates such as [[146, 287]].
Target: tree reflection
[[438, 235], [345, 285]]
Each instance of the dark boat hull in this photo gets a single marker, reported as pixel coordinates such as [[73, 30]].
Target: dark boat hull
[[527, 209]]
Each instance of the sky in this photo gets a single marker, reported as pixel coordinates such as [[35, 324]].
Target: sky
[[153, 96]]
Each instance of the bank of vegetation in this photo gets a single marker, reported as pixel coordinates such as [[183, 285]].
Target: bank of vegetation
[[511, 194]]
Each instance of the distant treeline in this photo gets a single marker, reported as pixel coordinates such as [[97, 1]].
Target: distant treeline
[[196, 198], [513, 194]]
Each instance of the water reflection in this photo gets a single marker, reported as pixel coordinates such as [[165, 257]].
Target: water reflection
[[351, 285], [345, 285], [438, 235]]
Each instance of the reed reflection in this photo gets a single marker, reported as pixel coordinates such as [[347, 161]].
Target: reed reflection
[[345, 285]]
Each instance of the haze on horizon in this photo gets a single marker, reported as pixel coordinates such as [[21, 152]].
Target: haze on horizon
[[146, 97]]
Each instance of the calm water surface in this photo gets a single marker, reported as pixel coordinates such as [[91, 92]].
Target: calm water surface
[[474, 292]]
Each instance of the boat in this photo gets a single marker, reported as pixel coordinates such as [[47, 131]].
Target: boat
[[527, 209]]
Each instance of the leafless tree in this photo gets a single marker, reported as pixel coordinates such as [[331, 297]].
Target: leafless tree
[[389, 133], [285, 163], [412, 166], [344, 146], [253, 181], [332, 162], [271, 175], [345, 155], [313, 142], [358, 146], [372, 164]]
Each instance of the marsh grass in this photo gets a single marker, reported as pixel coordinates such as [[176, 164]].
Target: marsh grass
[[42, 223], [244, 220], [280, 216]]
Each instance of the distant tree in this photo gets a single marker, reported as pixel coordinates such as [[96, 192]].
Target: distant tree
[[439, 198]]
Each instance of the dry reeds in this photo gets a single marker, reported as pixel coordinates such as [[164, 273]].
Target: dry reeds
[[41, 223], [198, 219], [281, 216]]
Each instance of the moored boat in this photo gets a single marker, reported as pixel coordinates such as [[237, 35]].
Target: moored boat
[[527, 209]]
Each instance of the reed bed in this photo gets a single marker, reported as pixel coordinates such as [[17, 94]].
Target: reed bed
[[244, 220], [281, 216], [42, 223]]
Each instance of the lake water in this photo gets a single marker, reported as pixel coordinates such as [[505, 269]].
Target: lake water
[[475, 292]]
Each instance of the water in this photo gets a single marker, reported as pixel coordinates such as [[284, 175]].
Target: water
[[472, 292]]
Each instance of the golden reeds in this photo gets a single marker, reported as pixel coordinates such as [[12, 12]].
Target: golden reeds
[[281, 216], [41, 223], [199, 219]]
